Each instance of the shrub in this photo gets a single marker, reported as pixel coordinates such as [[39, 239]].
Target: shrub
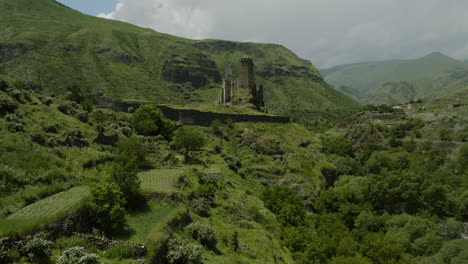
[[69, 108], [338, 145], [286, 204], [107, 205], [14, 127], [77, 255], [181, 252], [203, 234], [16, 94], [201, 207], [36, 248], [4, 85], [189, 139], [7, 105], [46, 100], [131, 148], [148, 120], [41, 138], [120, 252], [73, 241], [73, 137]]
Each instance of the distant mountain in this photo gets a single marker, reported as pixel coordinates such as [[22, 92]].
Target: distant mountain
[[396, 81], [50, 44], [325, 72]]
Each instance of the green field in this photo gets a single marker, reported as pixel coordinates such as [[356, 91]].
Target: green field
[[44, 211], [148, 225], [159, 180], [54, 206]]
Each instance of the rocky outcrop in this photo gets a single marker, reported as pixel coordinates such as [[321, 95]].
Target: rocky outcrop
[[196, 68], [10, 52], [219, 46], [274, 70]]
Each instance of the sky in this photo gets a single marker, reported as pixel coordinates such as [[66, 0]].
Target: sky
[[326, 32]]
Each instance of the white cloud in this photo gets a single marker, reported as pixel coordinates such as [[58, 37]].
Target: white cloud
[[172, 17], [328, 32]]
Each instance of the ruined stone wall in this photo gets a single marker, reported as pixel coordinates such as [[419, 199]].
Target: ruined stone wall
[[247, 74], [188, 116]]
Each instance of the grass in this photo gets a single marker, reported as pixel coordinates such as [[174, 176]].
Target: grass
[[148, 225], [159, 180], [44, 211], [53, 206]]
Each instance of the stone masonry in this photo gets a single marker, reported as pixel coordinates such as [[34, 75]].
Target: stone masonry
[[231, 91]]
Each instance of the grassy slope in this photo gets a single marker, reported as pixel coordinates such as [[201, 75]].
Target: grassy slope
[[460, 96], [65, 46], [399, 80]]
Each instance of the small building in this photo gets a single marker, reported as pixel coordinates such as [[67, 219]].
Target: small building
[[398, 109]]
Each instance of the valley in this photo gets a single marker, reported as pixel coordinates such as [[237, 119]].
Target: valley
[[120, 144]]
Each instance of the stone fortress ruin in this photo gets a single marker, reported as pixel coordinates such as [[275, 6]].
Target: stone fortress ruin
[[242, 91]]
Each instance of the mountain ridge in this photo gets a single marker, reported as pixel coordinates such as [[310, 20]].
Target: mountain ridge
[[370, 81], [44, 42]]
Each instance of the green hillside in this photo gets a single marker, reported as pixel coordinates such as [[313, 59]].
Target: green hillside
[[52, 45], [397, 81]]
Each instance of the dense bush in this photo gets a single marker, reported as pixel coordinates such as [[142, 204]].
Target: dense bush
[[72, 138], [148, 120], [83, 95], [201, 206], [75, 110], [15, 124], [36, 248], [77, 255], [189, 139], [131, 148], [7, 105], [286, 204], [107, 206], [181, 252], [4, 85], [124, 174], [338, 145], [203, 234]]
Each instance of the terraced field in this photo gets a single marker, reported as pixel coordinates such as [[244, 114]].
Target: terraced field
[[53, 206], [160, 180], [148, 225]]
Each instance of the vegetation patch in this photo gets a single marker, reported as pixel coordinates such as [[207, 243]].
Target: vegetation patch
[[54, 206], [160, 180]]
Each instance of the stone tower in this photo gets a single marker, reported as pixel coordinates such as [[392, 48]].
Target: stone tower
[[247, 75], [232, 90]]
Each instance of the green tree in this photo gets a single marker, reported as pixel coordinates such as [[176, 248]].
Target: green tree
[[125, 174], [189, 139], [83, 95], [338, 145], [107, 206], [148, 120], [131, 148]]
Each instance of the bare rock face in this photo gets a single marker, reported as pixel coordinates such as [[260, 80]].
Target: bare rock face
[[196, 69], [220, 46], [274, 70], [10, 52]]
